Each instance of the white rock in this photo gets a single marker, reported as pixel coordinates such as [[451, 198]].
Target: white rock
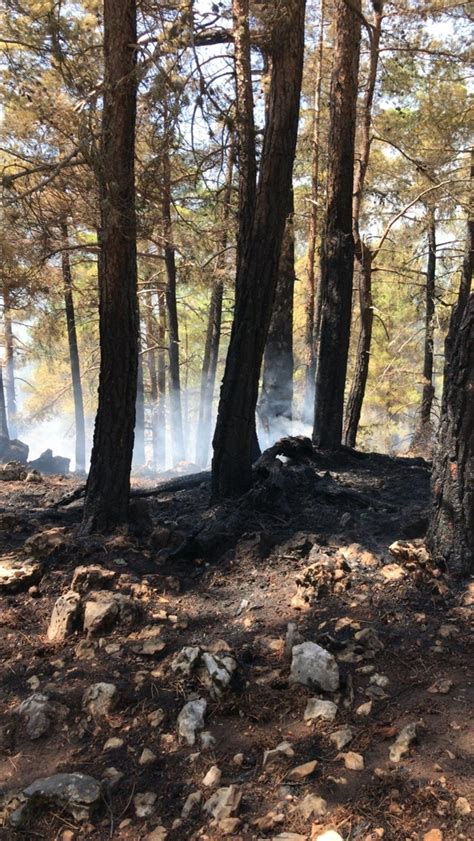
[[340, 738], [224, 803], [316, 708], [364, 709], [144, 803], [403, 741], [99, 699], [330, 835], [463, 807], [191, 719], [283, 749], [192, 801], [185, 660], [379, 680], [353, 761], [217, 672], [156, 717], [114, 743], [147, 757], [213, 777], [207, 740], [312, 806], [65, 616], [313, 666], [36, 712]]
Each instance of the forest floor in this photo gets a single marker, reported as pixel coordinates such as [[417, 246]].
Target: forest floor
[[310, 547]]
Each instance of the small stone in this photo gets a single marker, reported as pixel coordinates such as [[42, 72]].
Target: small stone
[[185, 660], [224, 803], [207, 740], [99, 699], [147, 757], [156, 717], [302, 771], [144, 803], [192, 801], [392, 572], [213, 777], [403, 741], [463, 807], [312, 806], [330, 835], [114, 743], [340, 738], [228, 826], [34, 682], [313, 666], [289, 836], [85, 650], [92, 577], [65, 617], [353, 761], [441, 687], [77, 794], [217, 672], [316, 708], [36, 711], [16, 576], [238, 759], [379, 680], [191, 719], [157, 834], [364, 709], [283, 749], [112, 776], [433, 835]]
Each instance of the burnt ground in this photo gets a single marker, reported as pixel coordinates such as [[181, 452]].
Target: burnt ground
[[239, 574]]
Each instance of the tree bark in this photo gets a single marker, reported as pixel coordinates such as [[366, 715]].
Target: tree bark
[[312, 312], [108, 485], [428, 388], [213, 334], [80, 429], [161, 408], [10, 390], [172, 309], [338, 245], [151, 358], [258, 257], [139, 457], [3, 410], [276, 400]]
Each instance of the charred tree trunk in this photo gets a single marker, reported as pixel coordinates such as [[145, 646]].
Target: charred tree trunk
[[428, 387], [338, 246], [3, 410], [213, 334], [276, 401], [359, 382], [139, 457], [108, 485], [10, 390], [151, 358], [313, 312], [80, 429], [258, 257], [172, 312]]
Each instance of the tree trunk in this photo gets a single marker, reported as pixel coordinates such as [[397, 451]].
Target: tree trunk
[[338, 245], [80, 451], [213, 334], [172, 312], [139, 457], [3, 410], [258, 257], [312, 313], [276, 400], [359, 381], [428, 388], [151, 357], [108, 485], [451, 532], [161, 409], [10, 390]]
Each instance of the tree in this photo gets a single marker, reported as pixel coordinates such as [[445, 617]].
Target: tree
[[80, 450], [337, 245], [108, 484], [258, 256]]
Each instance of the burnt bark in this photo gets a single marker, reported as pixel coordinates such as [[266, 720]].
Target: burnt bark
[[108, 485], [428, 387], [361, 372], [139, 442], [312, 309], [276, 399], [338, 245], [3, 410], [79, 421], [213, 333], [258, 256], [161, 408], [10, 390]]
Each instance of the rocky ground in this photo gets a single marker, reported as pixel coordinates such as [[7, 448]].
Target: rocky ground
[[287, 667]]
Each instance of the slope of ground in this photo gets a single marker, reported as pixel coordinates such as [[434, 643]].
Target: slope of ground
[[309, 546]]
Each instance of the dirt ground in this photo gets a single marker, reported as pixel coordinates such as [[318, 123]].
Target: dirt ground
[[311, 548]]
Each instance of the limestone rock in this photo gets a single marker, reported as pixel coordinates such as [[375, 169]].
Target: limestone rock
[[433, 835], [302, 771], [313, 666], [144, 803], [46, 543], [36, 711], [224, 803], [353, 761], [93, 577], [16, 575], [312, 807], [330, 835], [213, 777], [403, 741], [65, 616], [191, 719], [185, 660], [147, 757], [99, 699], [463, 807], [283, 749], [228, 826], [192, 801], [341, 737], [104, 609], [316, 708], [217, 672], [77, 794]]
